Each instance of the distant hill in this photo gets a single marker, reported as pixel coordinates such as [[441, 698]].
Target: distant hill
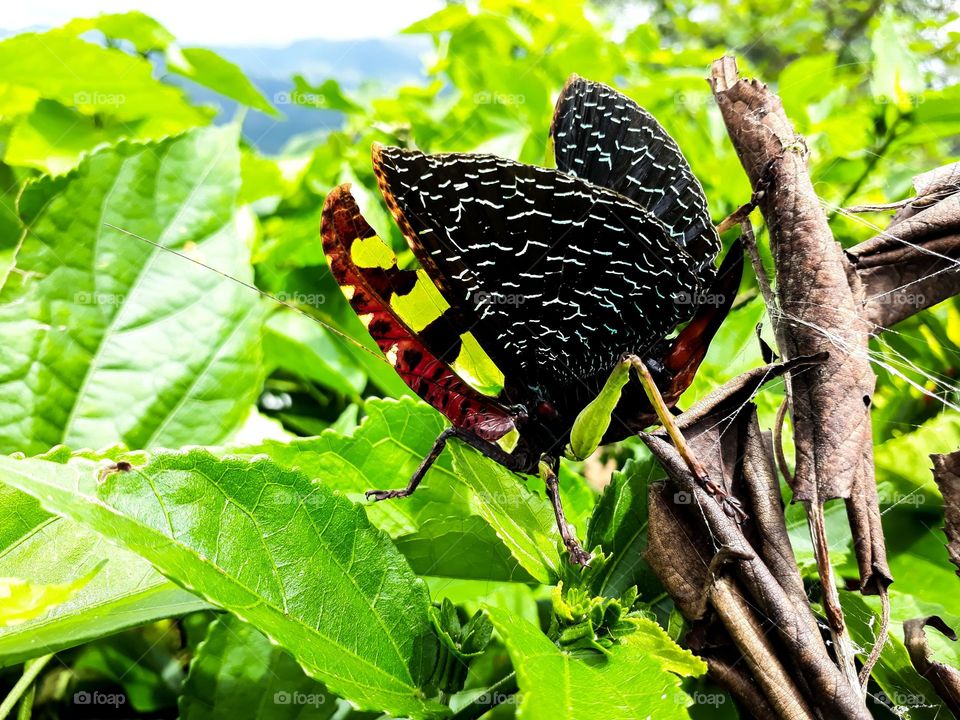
[[388, 62]]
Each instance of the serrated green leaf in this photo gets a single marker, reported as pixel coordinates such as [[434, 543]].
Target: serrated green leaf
[[236, 669], [112, 338], [635, 680], [619, 527], [289, 556], [382, 452], [523, 520]]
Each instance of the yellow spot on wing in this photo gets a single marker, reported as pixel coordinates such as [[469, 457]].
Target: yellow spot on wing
[[366, 318], [422, 305], [372, 252], [476, 367], [348, 291]]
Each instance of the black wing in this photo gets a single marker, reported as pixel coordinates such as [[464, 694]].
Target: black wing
[[607, 139], [556, 276]]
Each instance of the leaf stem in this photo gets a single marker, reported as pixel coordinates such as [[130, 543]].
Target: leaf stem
[[31, 669], [496, 694]]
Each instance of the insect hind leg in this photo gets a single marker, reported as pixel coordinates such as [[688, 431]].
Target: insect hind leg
[[548, 471]]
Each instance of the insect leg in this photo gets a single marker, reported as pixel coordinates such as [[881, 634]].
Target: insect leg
[[730, 504], [490, 450], [548, 471], [418, 474]]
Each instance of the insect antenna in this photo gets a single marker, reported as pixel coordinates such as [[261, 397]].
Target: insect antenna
[[254, 288]]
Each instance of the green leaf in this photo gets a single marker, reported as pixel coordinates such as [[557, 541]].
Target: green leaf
[[236, 669], [112, 338], [307, 349], [23, 600], [328, 95], [289, 556], [382, 452], [902, 687], [145, 33], [592, 422], [386, 449], [52, 137], [803, 81], [52, 550], [619, 527], [460, 547], [207, 68], [638, 678], [95, 80], [904, 469], [523, 520], [145, 662]]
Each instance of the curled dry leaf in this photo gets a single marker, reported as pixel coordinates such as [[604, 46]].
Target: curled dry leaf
[[946, 471], [818, 311], [742, 576], [945, 679], [915, 263]]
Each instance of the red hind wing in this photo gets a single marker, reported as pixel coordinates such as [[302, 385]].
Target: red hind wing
[[690, 346], [369, 291]]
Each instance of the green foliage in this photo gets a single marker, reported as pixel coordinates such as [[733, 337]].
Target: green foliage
[[237, 668], [112, 342], [554, 683]]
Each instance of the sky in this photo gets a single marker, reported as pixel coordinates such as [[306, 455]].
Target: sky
[[272, 23]]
